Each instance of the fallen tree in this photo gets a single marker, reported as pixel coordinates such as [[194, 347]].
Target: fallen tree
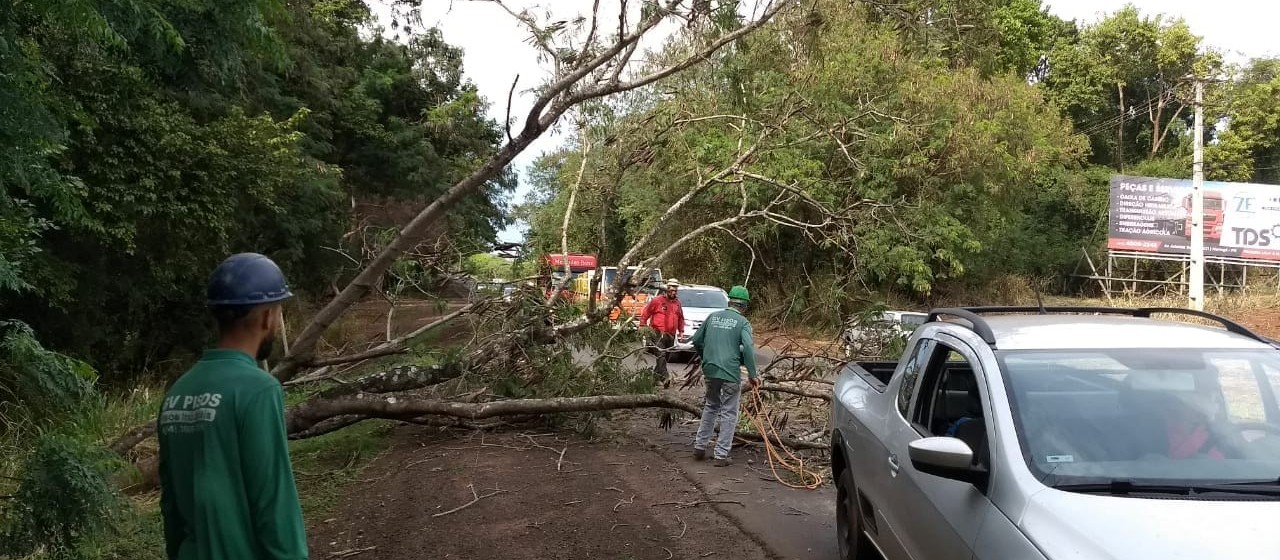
[[520, 343], [590, 70]]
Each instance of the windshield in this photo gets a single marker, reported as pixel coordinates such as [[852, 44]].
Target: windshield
[[713, 299], [611, 275], [913, 319], [1141, 415]]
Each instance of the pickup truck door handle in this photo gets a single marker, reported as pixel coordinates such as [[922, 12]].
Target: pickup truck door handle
[[894, 467]]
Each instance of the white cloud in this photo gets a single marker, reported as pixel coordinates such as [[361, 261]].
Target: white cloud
[[1242, 29]]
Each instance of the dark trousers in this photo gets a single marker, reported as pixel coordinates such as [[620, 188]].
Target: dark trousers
[[665, 342]]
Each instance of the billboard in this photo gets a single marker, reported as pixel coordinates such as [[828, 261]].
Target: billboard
[[1153, 215]]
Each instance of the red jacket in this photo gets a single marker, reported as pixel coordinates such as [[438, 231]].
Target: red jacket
[[664, 315]]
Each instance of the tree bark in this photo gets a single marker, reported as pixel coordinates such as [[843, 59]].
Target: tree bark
[[568, 211], [306, 415], [323, 416], [798, 391], [132, 438], [404, 378]]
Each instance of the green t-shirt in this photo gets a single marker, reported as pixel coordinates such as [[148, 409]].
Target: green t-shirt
[[724, 342], [226, 483]]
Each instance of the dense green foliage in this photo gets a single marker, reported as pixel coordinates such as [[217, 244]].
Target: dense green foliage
[[56, 487], [141, 141], [978, 156], [63, 499], [37, 386]]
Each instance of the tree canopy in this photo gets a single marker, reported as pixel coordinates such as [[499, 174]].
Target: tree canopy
[[141, 141], [977, 137]]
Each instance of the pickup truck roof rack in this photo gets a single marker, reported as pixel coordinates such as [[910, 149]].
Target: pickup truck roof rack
[[980, 327]]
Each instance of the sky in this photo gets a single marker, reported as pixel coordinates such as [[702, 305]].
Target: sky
[[496, 51]]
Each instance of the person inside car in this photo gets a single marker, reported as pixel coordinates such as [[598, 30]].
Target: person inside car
[[1189, 426]]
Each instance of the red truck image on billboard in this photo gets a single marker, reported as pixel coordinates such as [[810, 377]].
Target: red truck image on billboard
[[1212, 218]]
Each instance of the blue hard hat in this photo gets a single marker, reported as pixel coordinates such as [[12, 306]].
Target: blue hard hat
[[247, 279]]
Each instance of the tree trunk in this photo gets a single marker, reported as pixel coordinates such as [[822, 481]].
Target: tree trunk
[[307, 414]]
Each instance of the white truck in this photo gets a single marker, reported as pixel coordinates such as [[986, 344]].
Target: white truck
[[1067, 433]]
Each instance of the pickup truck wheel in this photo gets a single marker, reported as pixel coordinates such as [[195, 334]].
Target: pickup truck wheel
[[853, 543]]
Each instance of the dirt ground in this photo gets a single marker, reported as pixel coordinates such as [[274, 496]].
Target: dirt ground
[[633, 494], [619, 497], [1265, 322]]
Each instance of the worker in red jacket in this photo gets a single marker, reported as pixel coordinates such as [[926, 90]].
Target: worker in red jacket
[[664, 315]]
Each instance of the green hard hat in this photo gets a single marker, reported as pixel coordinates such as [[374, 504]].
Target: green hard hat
[[739, 292]]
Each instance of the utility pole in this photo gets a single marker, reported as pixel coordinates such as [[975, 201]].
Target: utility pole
[[1197, 205]]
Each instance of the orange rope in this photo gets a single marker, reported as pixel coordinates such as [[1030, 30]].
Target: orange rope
[[760, 419]]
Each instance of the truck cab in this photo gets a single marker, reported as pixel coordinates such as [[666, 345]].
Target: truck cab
[[635, 296]]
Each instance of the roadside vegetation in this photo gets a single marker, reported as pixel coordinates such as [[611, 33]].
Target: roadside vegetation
[[937, 167]]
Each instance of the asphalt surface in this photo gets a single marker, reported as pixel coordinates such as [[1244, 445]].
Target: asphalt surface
[[793, 524]]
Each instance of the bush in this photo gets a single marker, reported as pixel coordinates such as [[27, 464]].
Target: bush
[[60, 498], [63, 498], [37, 385]]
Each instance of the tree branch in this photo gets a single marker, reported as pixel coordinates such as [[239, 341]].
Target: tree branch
[[310, 413], [403, 378], [618, 87], [798, 391], [546, 110], [568, 211], [132, 438], [395, 346], [506, 123]]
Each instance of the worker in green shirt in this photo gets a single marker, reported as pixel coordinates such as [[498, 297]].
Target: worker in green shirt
[[724, 344], [226, 484]]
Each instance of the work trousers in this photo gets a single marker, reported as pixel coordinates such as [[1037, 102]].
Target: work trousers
[[665, 342], [720, 407]]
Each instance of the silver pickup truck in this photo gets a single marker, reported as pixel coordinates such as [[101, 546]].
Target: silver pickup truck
[[1061, 433]]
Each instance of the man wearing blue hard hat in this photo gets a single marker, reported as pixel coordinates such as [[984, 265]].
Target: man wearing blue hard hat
[[226, 483]]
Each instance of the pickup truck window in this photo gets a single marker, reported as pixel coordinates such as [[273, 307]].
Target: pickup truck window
[[911, 374], [950, 403], [1170, 416]]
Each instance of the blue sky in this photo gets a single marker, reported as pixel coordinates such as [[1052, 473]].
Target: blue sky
[[495, 51]]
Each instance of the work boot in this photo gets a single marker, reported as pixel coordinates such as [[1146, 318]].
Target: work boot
[[699, 454], [723, 462]]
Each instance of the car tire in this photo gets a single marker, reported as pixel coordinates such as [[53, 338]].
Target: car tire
[[853, 543]]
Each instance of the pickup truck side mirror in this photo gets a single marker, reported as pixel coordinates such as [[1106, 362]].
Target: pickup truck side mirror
[[946, 457]]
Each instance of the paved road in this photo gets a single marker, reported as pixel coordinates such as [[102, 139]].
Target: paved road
[[794, 524]]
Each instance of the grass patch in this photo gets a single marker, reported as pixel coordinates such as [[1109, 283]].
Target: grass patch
[[325, 465], [138, 534]]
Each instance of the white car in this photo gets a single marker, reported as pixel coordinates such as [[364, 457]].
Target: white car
[[871, 337], [697, 302]]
